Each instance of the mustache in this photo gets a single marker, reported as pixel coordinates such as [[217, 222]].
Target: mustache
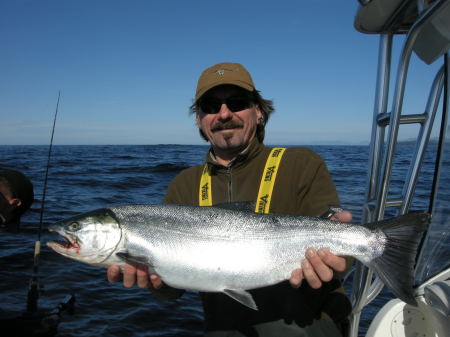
[[226, 125]]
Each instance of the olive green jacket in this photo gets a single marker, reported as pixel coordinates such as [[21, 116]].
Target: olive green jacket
[[303, 186]]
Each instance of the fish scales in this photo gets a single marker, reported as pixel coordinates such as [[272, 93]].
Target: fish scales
[[210, 223]]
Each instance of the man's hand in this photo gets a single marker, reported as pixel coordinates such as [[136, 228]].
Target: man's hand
[[319, 266], [134, 274], [344, 216]]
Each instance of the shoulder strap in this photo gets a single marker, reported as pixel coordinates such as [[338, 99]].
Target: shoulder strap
[[268, 180], [265, 187], [204, 193]]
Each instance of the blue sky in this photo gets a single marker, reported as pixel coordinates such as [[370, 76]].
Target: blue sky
[[127, 70]]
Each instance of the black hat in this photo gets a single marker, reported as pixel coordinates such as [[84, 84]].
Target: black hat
[[21, 187]]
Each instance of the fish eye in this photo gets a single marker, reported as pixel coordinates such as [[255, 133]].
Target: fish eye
[[74, 226]]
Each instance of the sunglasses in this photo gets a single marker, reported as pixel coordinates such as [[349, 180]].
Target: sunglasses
[[212, 105]]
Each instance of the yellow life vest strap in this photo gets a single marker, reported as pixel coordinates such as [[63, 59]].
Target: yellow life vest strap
[[265, 187], [204, 193], [268, 180]]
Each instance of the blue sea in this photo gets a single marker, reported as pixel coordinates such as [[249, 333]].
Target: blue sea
[[83, 178]]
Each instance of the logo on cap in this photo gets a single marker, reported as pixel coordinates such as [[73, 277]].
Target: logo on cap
[[221, 72]]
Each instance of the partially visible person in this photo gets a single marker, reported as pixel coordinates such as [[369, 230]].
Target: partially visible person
[[16, 197]]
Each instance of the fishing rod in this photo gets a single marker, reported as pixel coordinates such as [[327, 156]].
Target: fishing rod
[[33, 291]]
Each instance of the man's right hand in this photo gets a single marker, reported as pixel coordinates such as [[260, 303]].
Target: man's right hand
[[134, 274]]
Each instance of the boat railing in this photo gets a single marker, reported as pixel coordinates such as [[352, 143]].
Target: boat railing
[[385, 129]]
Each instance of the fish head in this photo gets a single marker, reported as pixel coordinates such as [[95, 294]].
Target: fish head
[[90, 237]]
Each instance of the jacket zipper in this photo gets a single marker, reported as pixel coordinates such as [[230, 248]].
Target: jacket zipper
[[230, 185]]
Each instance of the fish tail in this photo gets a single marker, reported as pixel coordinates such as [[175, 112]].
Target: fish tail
[[395, 266]]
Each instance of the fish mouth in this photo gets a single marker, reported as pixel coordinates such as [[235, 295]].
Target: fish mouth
[[65, 242]]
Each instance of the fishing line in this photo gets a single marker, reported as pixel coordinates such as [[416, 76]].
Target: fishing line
[[33, 291], [46, 171]]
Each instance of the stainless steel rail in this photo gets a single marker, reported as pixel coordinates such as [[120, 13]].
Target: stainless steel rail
[[381, 155]]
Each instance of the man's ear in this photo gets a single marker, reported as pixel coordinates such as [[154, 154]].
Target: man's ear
[[259, 115], [15, 202]]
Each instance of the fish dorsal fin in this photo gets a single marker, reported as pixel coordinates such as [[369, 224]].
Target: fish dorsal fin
[[243, 206], [242, 296]]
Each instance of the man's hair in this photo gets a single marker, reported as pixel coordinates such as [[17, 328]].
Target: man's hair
[[265, 105]]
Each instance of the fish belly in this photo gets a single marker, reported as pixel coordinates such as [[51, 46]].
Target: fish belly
[[214, 266], [239, 264]]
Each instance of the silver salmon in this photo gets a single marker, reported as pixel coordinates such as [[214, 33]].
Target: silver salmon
[[221, 249]]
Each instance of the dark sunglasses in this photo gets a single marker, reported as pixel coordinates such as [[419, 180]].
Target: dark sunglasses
[[212, 105]]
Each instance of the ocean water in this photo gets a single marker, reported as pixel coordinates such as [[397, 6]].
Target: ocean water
[[84, 178]]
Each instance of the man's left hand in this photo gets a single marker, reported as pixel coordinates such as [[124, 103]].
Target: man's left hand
[[320, 265]]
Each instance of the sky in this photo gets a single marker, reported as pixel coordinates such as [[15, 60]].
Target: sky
[[127, 70]]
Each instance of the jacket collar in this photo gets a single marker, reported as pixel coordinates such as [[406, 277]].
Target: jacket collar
[[252, 150]]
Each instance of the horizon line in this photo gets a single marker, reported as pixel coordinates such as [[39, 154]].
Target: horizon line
[[207, 145]]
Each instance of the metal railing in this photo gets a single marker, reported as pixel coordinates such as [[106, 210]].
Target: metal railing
[[381, 155]]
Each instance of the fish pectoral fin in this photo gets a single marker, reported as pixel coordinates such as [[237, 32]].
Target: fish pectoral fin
[[242, 296], [127, 257]]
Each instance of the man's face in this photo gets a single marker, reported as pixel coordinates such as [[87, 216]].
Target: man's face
[[227, 130], [7, 204], [5, 190]]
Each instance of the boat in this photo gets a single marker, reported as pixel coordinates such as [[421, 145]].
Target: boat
[[420, 28]]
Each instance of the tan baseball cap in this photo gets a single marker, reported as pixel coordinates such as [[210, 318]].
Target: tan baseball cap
[[224, 73]]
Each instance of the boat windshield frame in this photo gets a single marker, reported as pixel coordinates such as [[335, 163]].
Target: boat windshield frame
[[384, 139]]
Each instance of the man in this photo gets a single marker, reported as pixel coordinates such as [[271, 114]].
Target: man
[[16, 197], [231, 115]]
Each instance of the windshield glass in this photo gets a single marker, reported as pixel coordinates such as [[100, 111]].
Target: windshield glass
[[436, 250]]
